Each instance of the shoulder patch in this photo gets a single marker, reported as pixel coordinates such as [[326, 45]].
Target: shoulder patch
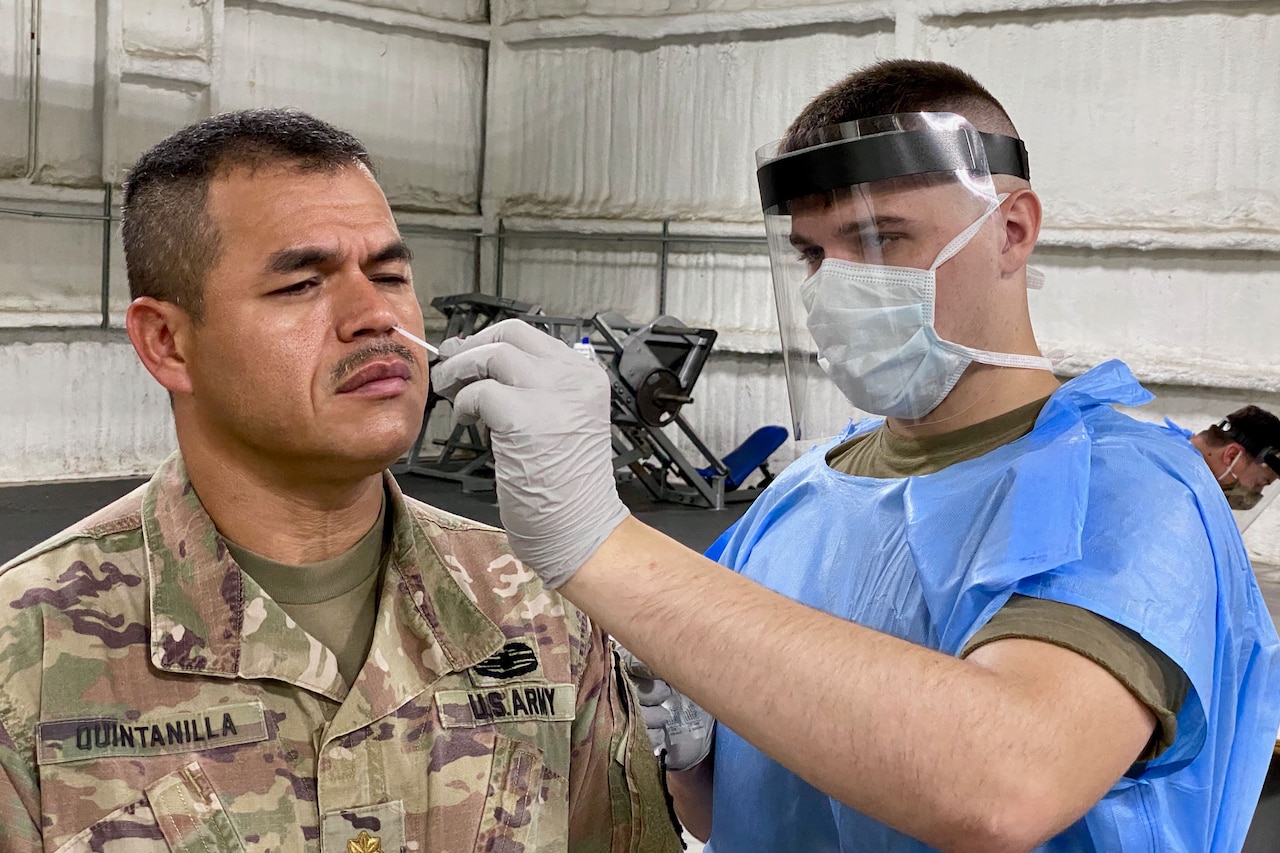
[[513, 660]]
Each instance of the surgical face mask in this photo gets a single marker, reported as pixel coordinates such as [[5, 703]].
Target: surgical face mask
[[874, 329], [1239, 497]]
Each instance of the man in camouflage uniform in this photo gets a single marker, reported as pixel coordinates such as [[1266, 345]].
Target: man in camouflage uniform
[[268, 647]]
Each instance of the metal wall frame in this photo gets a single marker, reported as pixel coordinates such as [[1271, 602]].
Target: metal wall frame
[[664, 240], [501, 237], [33, 88]]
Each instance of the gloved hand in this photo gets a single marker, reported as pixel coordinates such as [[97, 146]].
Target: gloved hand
[[675, 722], [547, 410]]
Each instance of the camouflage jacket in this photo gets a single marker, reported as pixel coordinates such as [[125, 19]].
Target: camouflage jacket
[[153, 698]]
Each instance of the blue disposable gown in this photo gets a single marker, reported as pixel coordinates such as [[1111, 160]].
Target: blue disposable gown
[[1091, 508]]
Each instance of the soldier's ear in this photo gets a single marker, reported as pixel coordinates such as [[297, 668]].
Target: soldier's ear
[[160, 334], [1022, 216]]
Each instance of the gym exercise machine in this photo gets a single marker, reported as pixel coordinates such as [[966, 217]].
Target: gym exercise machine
[[652, 370]]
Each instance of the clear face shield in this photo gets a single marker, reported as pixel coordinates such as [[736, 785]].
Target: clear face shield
[[878, 301], [1250, 484]]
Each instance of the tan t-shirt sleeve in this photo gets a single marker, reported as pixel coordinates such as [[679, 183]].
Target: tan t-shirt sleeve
[[1146, 671]]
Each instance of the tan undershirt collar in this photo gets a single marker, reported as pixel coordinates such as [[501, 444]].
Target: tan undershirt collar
[[884, 454], [335, 601], [313, 583]]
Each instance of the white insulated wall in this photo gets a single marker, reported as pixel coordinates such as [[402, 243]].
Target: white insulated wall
[[100, 411], [1153, 128]]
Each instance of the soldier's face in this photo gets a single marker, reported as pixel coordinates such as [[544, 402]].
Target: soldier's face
[[294, 362]]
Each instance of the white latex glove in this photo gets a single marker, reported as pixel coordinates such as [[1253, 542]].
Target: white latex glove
[[675, 722], [547, 410]]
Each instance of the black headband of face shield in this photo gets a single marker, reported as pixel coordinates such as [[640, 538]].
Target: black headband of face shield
[[1269, 456], [849, 162]]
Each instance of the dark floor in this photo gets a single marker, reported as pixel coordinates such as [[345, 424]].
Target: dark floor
[[1264, 832], [29, 514]]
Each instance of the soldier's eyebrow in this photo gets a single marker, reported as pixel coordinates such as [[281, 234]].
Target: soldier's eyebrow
[[291, 260], [397, 251], [287, 261]]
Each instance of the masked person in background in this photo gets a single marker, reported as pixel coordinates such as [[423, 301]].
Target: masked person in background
[[1003, 617], [1243, 452]]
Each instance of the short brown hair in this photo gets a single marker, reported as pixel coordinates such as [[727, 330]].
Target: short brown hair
[[170, 242], [900, 86], [1253, 428]]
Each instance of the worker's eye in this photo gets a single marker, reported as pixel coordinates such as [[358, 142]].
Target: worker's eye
[[810, 255], [882, 241]]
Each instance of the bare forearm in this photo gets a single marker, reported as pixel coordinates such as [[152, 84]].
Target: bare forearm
[[942, 749]]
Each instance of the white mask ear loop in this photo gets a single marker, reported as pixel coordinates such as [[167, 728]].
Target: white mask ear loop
[[998, 359], [1035, 276], [962, 239], [1230, 468]]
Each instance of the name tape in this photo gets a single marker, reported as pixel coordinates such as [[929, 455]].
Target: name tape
[[59, 741]]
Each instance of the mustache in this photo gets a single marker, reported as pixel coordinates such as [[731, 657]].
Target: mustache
[[351, 362]]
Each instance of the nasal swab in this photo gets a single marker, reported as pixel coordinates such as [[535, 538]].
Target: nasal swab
[[419, 341]]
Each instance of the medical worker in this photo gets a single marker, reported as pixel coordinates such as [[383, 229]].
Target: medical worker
[[1243, 452], [1000, 617]]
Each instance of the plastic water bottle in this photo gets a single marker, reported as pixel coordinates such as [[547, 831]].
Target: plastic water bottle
[[584, 347]]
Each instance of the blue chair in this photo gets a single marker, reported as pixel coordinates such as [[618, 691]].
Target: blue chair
[[752, 454]]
